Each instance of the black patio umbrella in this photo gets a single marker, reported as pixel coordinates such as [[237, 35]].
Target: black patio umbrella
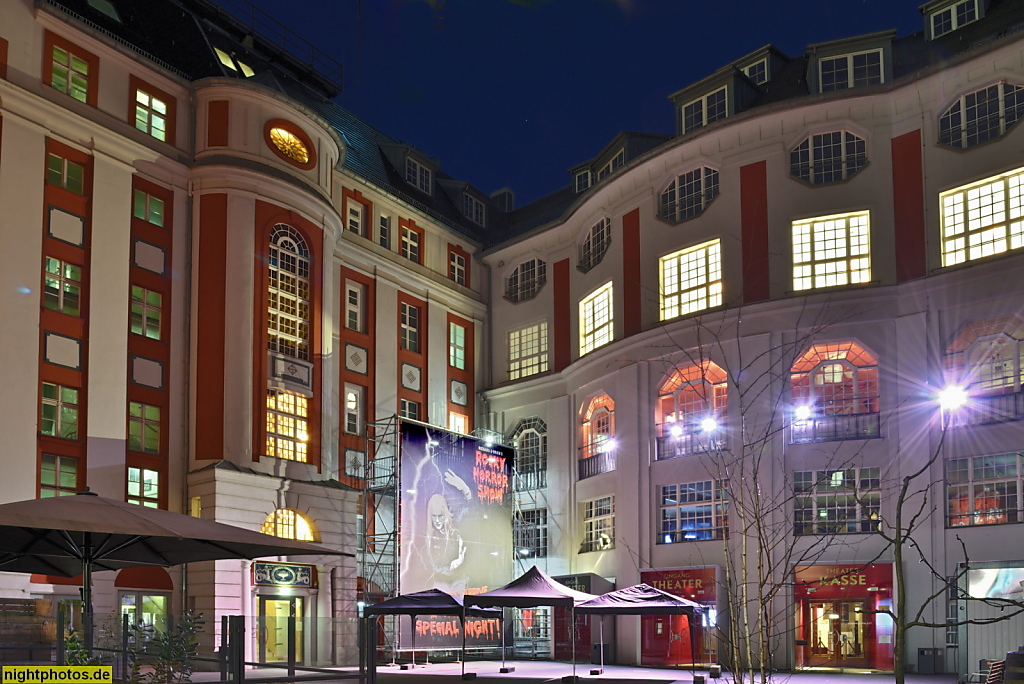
[[71, 535]]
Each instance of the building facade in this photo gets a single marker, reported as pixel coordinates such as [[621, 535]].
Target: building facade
[[220, 288]]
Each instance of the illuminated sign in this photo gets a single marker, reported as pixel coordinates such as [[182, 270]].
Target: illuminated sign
[[283, 575]]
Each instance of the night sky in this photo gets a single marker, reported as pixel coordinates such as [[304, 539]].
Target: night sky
[[515, 92]]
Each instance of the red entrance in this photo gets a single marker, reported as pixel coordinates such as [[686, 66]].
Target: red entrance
[[665, 639]]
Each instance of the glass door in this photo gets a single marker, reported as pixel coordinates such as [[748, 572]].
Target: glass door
[[836, 635], [272, 617]]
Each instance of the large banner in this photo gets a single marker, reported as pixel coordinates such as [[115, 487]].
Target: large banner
[[456, 525]]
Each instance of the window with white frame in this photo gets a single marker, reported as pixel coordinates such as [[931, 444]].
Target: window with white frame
[[62, 286], [526, 280], [355, 306], [530, 533], [691, 280], [692, 406], [384, 232], [704, 110], [418, 175], [983, 219], [410, 246], [288, 301], [410, 328], [456, 346], [850, 71], [583, 180], [473, 209], [982, 115], [151, 114], [409, 409], [612, 165], [287, 523], [65, 173], [693, 511], [836, 501], [595, 245], [986, 361], [148, 208], [458, 422], [689, 194], [144, 487], [596, 319], [835, 378], [758, 71], [951, 18], [457, 267], [287, 425], [530, 437], [828, 157], [598, 524], [831, 250], [70, 72], [598, 430], [983, 490], [143, 427], [59, 411], [528, 350], [354, 409], [356, 217]]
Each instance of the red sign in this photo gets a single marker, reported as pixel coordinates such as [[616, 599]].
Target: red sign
[[696, 584], [838, 581]]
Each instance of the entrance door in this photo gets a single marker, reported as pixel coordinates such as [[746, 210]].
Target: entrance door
[[272, 618], [837, 633]]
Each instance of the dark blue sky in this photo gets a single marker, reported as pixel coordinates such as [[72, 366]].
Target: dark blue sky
[[515, 92]]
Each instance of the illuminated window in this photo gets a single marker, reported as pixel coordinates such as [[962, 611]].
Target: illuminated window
[[58, 476], [689, 195], [950, 19], [456, 346], [144, 487], [146, 313], [70, 72], [985, 360], [151, 114], [528, 351], [526, 280], [458, 422], [692, 406], [828, 157], [62, 287], [148, 208], [65, 174], [418, 175], [530, 437], [289, 293], [831, 250], [530, 533], [691, 280], [59, 411], [850, 71], [834, 391], [287, 425], [836, 501], [983, 490], [289, 524], [474, 209], [410, 328], [982, 219], [598, 524], [595, 245], [704, 110], [981, 115], [598, 428], [694, 511], [596, 319], [234, 64], [143, 427]]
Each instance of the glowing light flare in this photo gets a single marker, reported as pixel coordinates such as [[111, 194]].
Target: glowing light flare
[[709, 425], [952, 397], [802, 412]]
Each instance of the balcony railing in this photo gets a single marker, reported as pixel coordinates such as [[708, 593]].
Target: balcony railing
[[835, 428], [602, 462], [986, 410], [688, 444]]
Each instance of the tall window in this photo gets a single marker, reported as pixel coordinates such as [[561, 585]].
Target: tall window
[[598, 431], [58, 476], [526, 280], [144, 487], [834, 388], [530, 437], [410, 328], [143, 427], [151, 114], [952, 18], [836, 501], [694, 511], [287, 425], [983, 490], [850, 71], [148, 208], [457, 267], [692, 405], [418, 175], [289, 293], [704, 110], [598, 524], [289, 524], [528, 351], [384, 232], [983, 219], [828, 157], [62, 287], [146, 312], [986, 360], [691, 280], [595, 245], [458, 422], [65, 174], [356, 220], [473, 209], [530, 532], [689, 194], [982, 115], [59, 411], [456, 346], [70, 71], [353, 409], [411, 245], [830, 251], [596, 319], [583, 180], [355, 306]]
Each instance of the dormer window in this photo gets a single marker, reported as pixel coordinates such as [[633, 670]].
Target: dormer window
[[473, 209], [951, 18], [850, 71], [616, 162], [828, 157], [233, 64], [704, 110], [583, 180], [418, 175], [757, 72]]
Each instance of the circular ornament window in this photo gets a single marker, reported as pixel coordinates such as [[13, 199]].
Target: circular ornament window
[[290, 143]]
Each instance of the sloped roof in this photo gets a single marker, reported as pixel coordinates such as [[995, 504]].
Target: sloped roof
[[532, 588], [639, 599]]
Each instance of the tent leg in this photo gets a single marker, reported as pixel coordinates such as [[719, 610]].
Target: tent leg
[[504, 669], [87, 614]]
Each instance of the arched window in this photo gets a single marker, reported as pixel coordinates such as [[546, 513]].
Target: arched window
[[834, 388], [530, 437], [288, 305], [691, 410], [288, 523], [597, 455], [985, 360]]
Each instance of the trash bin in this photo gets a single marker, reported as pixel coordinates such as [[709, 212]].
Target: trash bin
[[595, 653], [926, 661], [715, 671]]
